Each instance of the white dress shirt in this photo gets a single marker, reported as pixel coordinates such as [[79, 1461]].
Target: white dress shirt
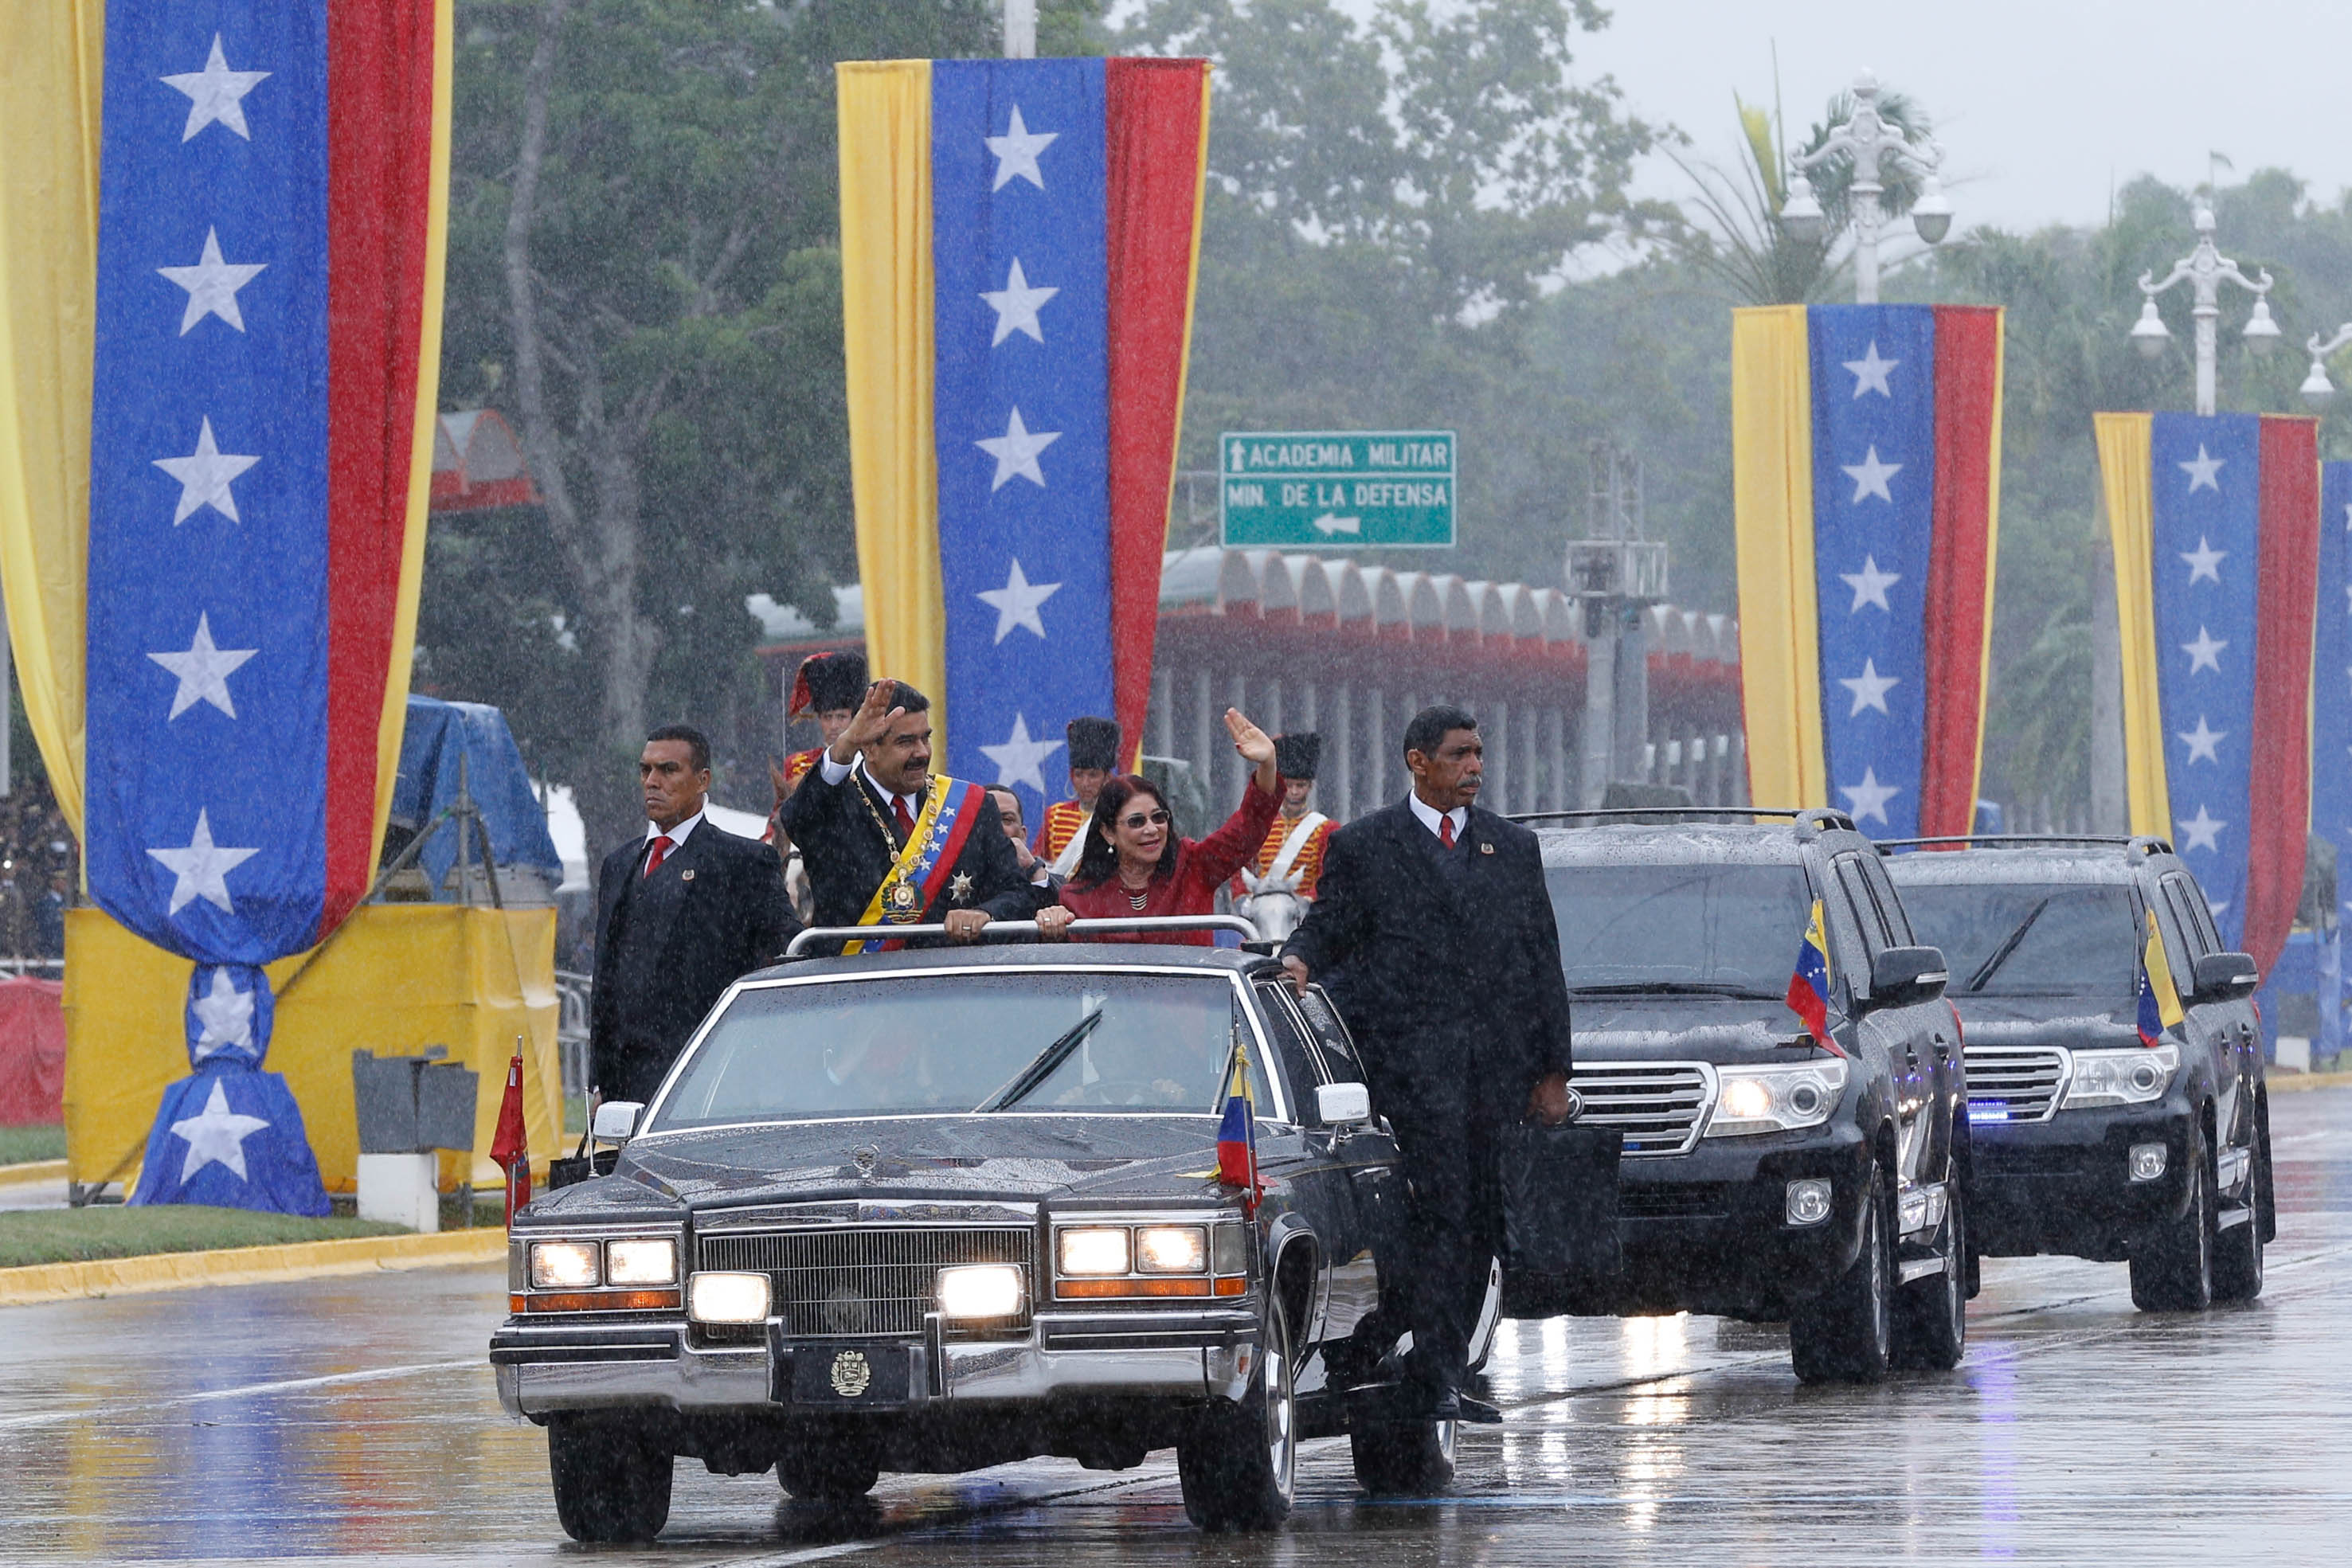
[[834, 772], [677, 837], [1431, 816]]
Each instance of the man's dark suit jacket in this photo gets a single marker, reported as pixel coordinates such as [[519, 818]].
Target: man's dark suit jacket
[[846, 857], [1446, 963], [669, 945]]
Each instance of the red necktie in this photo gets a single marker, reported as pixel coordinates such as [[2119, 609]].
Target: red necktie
[[660, 853], [906, 818], [1445, 832]]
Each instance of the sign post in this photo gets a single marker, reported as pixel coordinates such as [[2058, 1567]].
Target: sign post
[[1335, 490]]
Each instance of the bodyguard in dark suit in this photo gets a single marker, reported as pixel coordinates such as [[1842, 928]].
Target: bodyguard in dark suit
[[852, 814], [681, 915], [1433, 933]]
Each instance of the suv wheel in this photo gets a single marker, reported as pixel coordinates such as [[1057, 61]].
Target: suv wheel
[[827, 1469], [2172, 1266], [611, 1482], [1402, 1458], [1846, 1333], [2238, 1251], [1238, 1463], [1931, 1318]]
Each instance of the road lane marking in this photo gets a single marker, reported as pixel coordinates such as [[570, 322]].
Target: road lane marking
[[246, 1390]]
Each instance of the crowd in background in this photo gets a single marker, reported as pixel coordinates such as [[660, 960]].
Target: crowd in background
[[39, 873]]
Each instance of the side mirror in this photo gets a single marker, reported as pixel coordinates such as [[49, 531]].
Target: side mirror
[[1343, 1104], [616, 1120], [2225, 977], [1904, 977]]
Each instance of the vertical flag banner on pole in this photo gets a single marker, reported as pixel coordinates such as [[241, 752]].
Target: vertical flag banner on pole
[[2331, 729], [2215, 524], [235, 216], [1865, 482], [1019, 243]]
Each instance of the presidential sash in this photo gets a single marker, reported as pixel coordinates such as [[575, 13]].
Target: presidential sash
[[923, 865]]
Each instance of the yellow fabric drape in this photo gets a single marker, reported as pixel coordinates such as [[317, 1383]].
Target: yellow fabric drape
[[2125, 453], [1772, 511], [51, 76], [1992, 557], [887, 333]]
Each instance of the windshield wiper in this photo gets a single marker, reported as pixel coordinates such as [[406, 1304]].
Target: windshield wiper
[[2000, 955], [1699, 987], [1047, 1063]]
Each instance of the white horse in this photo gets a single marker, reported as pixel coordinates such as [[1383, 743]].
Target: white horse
[[1273, 904]]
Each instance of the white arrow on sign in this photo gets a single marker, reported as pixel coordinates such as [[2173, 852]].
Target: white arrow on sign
[[1328, 524]]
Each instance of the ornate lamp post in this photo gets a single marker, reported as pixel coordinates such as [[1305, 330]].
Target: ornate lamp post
[[1869, 140], [2318, 391], [2205, 268]]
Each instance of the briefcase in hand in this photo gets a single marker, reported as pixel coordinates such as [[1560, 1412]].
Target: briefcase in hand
[[1560, 1250]]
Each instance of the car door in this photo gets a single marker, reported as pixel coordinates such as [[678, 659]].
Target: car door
[[2227, 1027], [1946, 1071], [1319, 1180], [1891, 1034]]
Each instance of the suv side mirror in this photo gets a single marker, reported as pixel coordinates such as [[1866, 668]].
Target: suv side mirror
[[1343, 1104], [616, 1120], [2225, 977], [1904, 977]]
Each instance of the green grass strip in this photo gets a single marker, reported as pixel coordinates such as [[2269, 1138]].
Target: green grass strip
[[112, 1230]]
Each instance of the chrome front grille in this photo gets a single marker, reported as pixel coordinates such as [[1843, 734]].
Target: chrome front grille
[[2009, 1083], [842, 1282], [1659, 1104]]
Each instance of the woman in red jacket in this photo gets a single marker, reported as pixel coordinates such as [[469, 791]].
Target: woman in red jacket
[[1134, 864]]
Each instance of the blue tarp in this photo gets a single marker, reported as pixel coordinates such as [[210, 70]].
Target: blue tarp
[[440, 733]]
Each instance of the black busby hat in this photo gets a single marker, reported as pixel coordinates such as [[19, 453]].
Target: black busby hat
[[827, 681], [1295, 756], [1094, 743]]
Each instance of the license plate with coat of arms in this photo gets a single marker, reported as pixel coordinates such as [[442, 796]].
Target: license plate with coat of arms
[[843, 1376]]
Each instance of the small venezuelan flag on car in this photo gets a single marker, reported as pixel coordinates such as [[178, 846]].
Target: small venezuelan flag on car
[[2159, 999], [1237, 1134], [1808, 986]]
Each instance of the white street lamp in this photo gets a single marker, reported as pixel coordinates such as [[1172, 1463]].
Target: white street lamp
[[1867, 138], [2318, 391], [2205, 269]]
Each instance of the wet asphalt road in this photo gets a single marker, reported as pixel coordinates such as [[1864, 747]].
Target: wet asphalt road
[[355, 1419]]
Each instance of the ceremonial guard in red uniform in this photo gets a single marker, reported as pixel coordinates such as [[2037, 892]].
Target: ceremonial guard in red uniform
[[1094, 757], [1291, 859], [829, 686]]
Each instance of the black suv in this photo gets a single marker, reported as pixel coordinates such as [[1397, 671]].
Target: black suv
[[1765, 1177], [2088, 1141]]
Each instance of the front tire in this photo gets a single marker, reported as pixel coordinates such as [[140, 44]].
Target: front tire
[[1402, 1458], [612, 1483], [2238, 1251], [1238, 1462], [2172, 1267], [1931, 1318], [1846, 1334]]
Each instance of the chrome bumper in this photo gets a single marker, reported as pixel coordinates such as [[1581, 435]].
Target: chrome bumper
[[545, 1367]]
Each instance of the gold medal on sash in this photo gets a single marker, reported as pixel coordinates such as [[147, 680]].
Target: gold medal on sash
[[902, 895]]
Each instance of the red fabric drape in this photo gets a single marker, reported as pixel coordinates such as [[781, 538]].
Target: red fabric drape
[[32, 1054], [380, 65], [1157, 116], [2288, 584], [1959, 579]]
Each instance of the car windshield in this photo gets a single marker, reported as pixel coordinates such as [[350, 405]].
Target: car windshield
[[2029, 939], [1731, 930], [915, 1044]]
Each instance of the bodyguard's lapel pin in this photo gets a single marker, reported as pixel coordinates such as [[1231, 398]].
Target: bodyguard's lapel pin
[[688, 875], [1484, 848]]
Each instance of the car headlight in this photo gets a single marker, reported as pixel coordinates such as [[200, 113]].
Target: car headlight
[[979, 1291], [714, 1298], [1172, 1250], [2132, 1076], [1094, 1251], [1776, 1098], [565, 1265], [641, 1261]]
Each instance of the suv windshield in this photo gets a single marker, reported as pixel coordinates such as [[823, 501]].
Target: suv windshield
[[1099, 1042], [1730, 929], [2029, 939]]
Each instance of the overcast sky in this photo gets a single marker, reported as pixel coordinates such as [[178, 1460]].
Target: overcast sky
[[2041, 104]]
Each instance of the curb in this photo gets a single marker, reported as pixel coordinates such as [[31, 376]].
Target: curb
[[248, 1265], [2292, 1083], [31, 1170]]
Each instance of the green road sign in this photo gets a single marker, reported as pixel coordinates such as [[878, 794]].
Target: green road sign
[[1324, 489]]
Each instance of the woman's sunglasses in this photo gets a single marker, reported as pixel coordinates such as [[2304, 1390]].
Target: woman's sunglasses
[[1156, 819]]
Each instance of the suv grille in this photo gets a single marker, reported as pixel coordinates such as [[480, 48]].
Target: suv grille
[[1659, 1104], [859, 1282], [2014, 1082]]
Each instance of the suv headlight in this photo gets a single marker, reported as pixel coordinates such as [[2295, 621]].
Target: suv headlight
[[1776, 1098], [2132, 1076]]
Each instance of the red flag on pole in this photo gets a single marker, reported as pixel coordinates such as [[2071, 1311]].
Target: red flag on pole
[[510, 1145]]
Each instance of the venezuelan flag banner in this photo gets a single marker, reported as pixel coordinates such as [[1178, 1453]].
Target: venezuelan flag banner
[[1019, 243], [2215, 526], [2331, 726], [1865, 484], [221, 251]]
